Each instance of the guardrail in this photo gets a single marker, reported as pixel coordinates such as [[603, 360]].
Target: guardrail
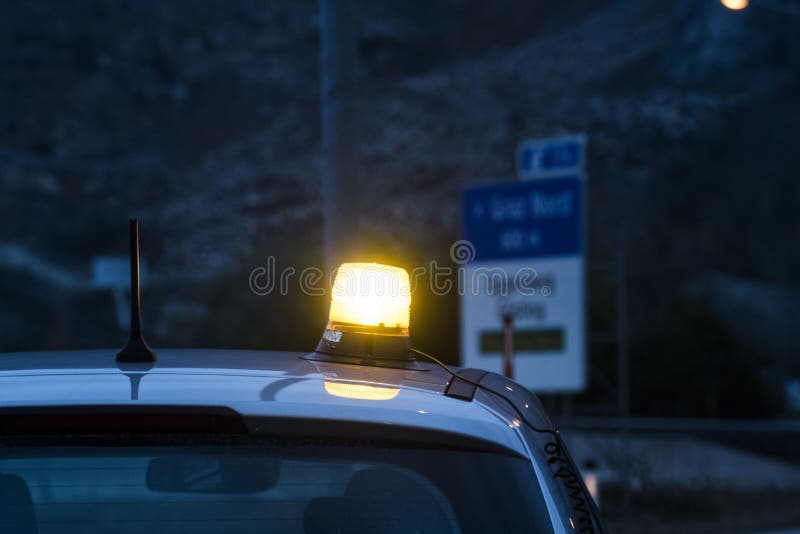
[[779, 437]]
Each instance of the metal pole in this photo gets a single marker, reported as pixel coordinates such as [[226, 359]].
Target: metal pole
[[508, 346], [341, 191], [623, 396], [623, 376]]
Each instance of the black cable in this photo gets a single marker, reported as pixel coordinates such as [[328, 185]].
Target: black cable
[[555, 451]]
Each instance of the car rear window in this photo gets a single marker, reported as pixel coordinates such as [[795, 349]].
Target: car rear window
[[241, 486]]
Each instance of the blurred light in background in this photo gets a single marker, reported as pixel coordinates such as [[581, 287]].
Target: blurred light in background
[[589, 473], [735, 5]]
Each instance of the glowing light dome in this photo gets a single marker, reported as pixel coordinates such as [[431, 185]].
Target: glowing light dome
[[370, 294]]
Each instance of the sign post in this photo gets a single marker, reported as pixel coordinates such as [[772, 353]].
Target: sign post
[[508, 345]]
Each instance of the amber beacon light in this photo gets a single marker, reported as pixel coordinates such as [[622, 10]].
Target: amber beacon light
[[369, 315]]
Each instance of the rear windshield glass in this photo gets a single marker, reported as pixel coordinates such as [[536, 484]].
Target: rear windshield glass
[[309, 487]]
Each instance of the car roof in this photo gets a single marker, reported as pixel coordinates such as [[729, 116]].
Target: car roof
[[252, 383]]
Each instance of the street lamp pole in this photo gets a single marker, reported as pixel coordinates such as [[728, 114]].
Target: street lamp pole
[[338, 70]]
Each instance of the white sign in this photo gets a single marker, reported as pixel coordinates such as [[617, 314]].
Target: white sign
[[114, 272], [547, 316]]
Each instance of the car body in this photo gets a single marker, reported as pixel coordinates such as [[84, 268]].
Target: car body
[[53, 404]]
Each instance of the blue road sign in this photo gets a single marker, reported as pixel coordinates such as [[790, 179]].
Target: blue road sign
[[548, 157], [525, 219]]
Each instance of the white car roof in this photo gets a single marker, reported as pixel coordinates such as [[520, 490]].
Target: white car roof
[[252, 383]]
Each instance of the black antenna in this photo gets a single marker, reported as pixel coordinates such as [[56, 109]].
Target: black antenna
[[136, 351]]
